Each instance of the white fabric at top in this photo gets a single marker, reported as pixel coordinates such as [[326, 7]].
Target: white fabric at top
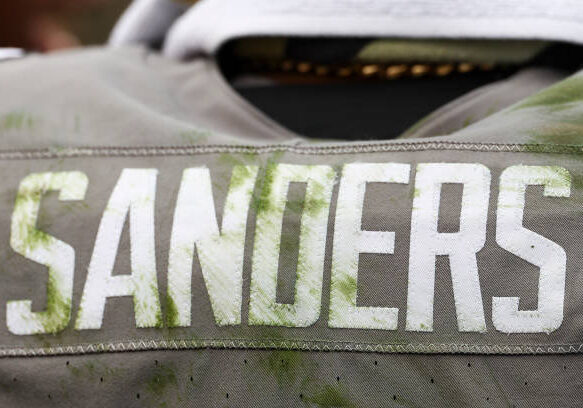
[[209, 23], [11, 53], [146, 22]]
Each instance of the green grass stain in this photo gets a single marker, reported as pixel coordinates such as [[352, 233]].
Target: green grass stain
[[283, 315], [312, 204], [286, 366], [144, 308], [269, 333], [58, 310], [240, 172], [347, 285], [159, 319], [94, 370], [262, 195], [155, 293], [239, 159], [240, 176], [276, 156], [58, 313], [468, 121], [557, 97], [75, 371], [316, 202], [330, 396], [262, 201], [565, 132], [162, 378], [32, 238], [416, 192], [194, 137], [171, 313], [17, 121], [565, 179]]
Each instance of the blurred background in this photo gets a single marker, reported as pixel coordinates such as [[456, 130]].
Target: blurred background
[[47, 25]]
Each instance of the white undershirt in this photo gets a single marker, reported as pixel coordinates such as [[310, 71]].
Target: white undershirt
[[209, 23]]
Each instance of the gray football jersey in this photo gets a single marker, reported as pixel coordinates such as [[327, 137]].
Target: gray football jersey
[[163, 243]]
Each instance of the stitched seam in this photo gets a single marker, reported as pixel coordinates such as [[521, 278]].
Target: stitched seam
[[146, 151], [300, 345], [315, 340]]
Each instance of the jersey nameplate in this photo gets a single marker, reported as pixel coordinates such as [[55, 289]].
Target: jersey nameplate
[[203, 253]]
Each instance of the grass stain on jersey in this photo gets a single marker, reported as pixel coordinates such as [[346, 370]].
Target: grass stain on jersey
[[268, 333], [315, 206], [16, 121], [238, 164], [557, 97], [347, 286], [265, 179], [574, 179], [172, 319], [162, 378], [158, 311], [24, 199], [262, 202], [330, 397], [95, 371], [58, 308], [285, 366], [147, 308], [194, 137], [564, 178], [566, 132], [468, 121], [241, 173], [239, 159]]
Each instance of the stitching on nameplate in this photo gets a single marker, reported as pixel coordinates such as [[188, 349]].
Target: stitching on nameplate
[[147, 151], [298, 345]]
